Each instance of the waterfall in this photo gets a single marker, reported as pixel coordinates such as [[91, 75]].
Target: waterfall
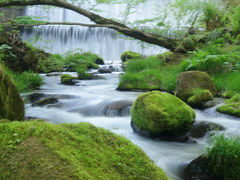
[[105, 42]]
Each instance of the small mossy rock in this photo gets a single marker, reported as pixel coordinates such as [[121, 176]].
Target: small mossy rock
[[188, 44], [190, 81], [198, 169], [99, 61], [85, 76], [45, 101], [127, 55], [199, 98], [67, 79], [11, 104], [231, 106], [162, 114], [199, 129]]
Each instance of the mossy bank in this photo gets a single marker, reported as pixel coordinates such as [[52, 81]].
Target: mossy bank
[[40, 150]]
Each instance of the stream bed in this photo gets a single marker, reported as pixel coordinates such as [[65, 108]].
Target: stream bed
[[99, 103]]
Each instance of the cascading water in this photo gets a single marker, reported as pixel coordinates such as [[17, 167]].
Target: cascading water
[[105, 42]]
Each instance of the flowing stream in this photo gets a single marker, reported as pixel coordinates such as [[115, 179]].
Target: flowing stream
[[97, 101]]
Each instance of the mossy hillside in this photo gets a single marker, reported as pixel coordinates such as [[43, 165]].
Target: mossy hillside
[[11, 104], [70, 151], [200, 96], [162, 113], [231, 106], [129, 55]]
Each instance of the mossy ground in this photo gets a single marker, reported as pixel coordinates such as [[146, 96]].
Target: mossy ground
[[39, 150], [231, 106], [162, 113]]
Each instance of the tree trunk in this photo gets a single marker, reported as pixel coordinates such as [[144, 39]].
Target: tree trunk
[[167, 43]]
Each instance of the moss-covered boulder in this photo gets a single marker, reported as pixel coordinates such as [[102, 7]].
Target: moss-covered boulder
[[129, 55], [199, 98], [83, 75], [40, 150], [67, 79], [162, 114], [231, 106], [11, 104], [190, 81]]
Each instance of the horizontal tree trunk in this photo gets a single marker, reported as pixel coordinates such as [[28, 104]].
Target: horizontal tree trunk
[[100, 21]]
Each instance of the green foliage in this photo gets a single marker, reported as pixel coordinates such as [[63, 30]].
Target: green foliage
[[74, 60], [28, 20], [25, 81], [224, 157], [70, 151], [54, 63], [149, 74]]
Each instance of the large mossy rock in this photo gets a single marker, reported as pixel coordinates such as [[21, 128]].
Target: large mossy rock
[[231, 106], [190, 81], [162, 114], [11, 104], [41, 150]]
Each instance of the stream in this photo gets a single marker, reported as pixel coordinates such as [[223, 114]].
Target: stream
[[97, 102]]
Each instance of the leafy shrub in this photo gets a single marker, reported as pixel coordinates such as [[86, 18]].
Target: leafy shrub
[[224, 157]]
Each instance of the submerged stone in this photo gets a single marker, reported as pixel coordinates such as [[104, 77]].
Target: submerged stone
[[45, 101]]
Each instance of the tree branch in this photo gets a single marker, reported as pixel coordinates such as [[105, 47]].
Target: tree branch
[[100, 21]]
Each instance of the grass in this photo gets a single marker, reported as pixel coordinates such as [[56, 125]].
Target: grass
[[25, 81], [70, 151], [54, 63], [224, 157], [148, 74]]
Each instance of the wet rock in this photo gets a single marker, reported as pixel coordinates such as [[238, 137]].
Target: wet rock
[[105, 69], [199, 169], [99, 77], [68, 79], [190, 81], [45, 101], [53, 74], [199, 129], [162, 114], [36, 97], [118, 105]]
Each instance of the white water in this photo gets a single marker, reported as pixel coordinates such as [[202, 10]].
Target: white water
[[88, 102], [105, 42]]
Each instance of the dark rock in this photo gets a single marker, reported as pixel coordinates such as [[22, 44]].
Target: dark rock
[[105, 69], [199, 129], [46, 101], [36, 97], [199, 169]]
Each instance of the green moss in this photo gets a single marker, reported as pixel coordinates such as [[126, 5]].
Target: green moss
[[162, 113], [39, 150], [11, 104], [191, 80], [73, 61], [200, 97], [83, 75], [67, 79], [231, 106], [129, 55], [54, 63]]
